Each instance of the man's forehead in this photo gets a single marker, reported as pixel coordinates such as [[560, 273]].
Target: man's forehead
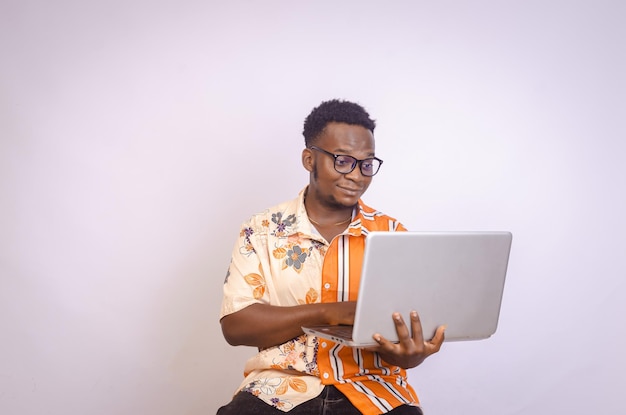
[[347, 136]]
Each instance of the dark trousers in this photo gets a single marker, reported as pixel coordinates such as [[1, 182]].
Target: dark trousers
[[329, 402]]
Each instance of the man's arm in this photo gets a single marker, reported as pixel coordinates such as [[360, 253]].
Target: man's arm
[[262, 325]]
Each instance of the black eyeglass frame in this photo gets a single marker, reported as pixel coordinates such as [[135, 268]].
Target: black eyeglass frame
[[355, 161]]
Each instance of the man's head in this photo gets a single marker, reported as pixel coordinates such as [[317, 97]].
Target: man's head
[[335, 111], [334, 130]]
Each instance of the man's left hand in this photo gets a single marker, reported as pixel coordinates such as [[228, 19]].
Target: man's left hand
[[411, 350]]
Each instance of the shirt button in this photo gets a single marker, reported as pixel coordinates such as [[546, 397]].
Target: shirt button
[[327, 285], [325, 375], [323, 344]]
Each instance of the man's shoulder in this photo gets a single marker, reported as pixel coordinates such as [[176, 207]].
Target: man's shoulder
[[374, 214], [374, 219], [280, 217]]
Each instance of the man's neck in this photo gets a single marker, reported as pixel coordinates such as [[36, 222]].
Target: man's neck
[[323, 215]]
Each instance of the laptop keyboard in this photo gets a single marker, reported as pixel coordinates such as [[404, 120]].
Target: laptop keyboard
[[342, 331]]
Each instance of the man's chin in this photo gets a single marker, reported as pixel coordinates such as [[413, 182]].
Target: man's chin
[[345, 202]]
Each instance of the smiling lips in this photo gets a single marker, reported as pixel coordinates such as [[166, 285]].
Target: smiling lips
[[348, 190]]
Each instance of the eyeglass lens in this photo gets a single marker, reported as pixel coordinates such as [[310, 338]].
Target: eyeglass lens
[[345, 164]]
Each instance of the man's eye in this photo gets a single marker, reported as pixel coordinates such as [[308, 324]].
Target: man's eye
[[343, 161]]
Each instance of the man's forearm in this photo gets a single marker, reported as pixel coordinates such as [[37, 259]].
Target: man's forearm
[[262, 325]]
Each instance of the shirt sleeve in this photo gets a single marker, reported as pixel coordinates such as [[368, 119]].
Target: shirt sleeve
[[245, 281]]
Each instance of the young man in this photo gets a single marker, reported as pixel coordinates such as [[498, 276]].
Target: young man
[[299, 264]]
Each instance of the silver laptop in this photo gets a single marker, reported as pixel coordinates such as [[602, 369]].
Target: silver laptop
[[449, 278]]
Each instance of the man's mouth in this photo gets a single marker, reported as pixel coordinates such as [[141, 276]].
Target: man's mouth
[[349, 190]]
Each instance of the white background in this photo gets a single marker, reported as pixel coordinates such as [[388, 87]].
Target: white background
[[136, 135]]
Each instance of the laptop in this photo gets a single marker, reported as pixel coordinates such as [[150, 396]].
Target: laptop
[[450, 278]]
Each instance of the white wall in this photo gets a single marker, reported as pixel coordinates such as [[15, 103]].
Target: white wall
[[136, 135]]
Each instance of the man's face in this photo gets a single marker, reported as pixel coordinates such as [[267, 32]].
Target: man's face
[[330, 187]]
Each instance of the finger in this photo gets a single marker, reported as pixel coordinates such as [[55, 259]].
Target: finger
[[438, 338], [401, 328], [383, 344], [416, 328]]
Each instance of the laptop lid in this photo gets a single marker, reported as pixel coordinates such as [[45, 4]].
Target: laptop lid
[[450, 278]]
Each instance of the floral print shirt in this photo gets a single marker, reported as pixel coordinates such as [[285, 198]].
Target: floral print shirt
[[280, 259]]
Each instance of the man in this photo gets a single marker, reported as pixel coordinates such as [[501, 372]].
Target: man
[[299, 264]]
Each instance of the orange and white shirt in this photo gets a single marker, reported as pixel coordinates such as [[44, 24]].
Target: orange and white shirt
[[280, 259]]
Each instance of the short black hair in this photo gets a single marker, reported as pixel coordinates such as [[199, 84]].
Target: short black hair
[[335, 111]]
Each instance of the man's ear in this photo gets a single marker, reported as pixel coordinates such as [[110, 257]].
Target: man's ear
[[307, 159]]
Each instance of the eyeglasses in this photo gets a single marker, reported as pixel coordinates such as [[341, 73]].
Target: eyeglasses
[[345, 164]]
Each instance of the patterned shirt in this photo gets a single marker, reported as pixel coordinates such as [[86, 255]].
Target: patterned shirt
[[280, 259]]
